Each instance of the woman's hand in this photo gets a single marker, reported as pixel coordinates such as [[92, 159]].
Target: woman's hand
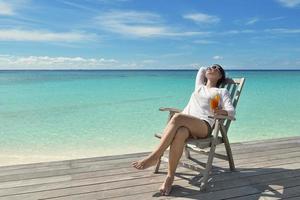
[[220, 112]]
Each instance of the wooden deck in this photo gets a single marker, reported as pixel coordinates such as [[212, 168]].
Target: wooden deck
[[268, 169]]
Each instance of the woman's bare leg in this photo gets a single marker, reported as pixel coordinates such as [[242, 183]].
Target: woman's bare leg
[[197, 128], [176, 149], [175, 153], [193, 127], [167, 137]]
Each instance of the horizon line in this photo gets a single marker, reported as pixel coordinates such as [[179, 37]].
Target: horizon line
[[192, 69]]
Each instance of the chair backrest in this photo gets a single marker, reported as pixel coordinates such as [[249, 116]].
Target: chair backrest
[[234, 86]]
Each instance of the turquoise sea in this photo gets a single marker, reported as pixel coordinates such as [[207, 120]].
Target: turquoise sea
[[53, 115]]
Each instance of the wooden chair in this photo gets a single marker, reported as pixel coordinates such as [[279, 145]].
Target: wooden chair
[[207, 146]]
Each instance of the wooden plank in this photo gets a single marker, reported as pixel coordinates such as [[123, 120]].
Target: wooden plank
[[293, 198], [282, 193], [73, 161], [274, 193]]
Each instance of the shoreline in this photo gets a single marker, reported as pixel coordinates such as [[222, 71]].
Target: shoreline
[[18, 159]]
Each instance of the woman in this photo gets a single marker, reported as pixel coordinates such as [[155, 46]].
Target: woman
[[193, 121]]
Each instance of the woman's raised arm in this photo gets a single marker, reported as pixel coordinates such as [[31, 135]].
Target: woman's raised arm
[[200, 77]]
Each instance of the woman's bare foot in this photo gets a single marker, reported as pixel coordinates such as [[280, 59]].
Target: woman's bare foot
[[145, 163], [166, 187]]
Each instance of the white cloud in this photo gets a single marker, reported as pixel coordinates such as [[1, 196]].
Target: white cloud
[[11, 62], [204, 42], [42, 36], [250, 31], [131, 23], [232, 32], [6, 8], [170, 55], [289, 3], [149, 61], [202, 18], [283, 30], [46, 62], [276, 18], [140, 24], [217, 57], [10, 7], [252, 21]]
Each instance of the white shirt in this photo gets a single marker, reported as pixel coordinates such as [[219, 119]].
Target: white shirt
[[199, 104]]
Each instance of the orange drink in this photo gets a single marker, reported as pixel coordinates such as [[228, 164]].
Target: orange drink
[[214, 102]]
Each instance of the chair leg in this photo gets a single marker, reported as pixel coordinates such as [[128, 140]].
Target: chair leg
[[230, 157], [157, 165], [207, 170], [228, 151]]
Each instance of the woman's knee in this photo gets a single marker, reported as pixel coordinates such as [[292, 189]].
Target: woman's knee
[[178, 118], [182, 133]]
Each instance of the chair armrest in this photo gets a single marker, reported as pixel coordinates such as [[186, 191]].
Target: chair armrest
[[175, 110], [222, 117]]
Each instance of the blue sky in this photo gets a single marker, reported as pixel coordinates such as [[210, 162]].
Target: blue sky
[[149, 34]]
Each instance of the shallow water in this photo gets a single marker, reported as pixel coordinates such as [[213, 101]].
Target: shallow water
[[50, 115]]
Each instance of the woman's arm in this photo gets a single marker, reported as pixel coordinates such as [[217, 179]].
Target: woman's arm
[[227, 107], [221, 112], [200, 77]]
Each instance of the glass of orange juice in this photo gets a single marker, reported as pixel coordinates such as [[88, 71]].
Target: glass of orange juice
[[214, 102]]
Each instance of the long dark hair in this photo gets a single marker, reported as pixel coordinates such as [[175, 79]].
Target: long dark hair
[[222, 79]]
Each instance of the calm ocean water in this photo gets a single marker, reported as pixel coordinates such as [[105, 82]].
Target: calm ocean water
[[51, 115]]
